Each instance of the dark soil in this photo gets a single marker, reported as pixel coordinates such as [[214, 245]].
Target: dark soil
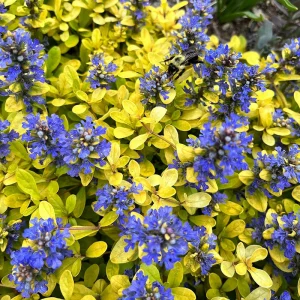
[[285, 24]]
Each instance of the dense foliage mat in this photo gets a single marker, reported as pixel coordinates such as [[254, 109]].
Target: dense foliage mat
[[141, 159]]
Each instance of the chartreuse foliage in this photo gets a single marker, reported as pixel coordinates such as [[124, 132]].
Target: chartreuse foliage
[[119, 180]]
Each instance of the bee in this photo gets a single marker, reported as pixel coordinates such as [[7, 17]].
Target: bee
[[178, 63]]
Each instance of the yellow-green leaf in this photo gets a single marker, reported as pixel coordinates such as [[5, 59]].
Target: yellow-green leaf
[[46, 210]]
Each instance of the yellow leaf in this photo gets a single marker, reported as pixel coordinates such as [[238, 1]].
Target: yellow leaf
[[198, 200], [129, 74], [46, 210], [130, 107], [259, 293], [157, 113], [241, 269], [185, 153], [66, 284], [261, 277], [181, 293], [268, 139], [258, 200], [166, 192], [169, 177], [122, 132], [296, 193], [138, 141], [96, 249], [227, 268]]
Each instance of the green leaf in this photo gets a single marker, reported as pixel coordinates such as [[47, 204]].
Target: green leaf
[[198, 200], [229, 285], [290, 6], [215, 281], [91, 275], [80, 203], [96, 249], [259, 293], [19, 150], [111, 269], [181, 293], [27, 184], [152, 272], [243, 287], [70, 203], [72, 77], [53, 59], [175, 276], [66, 284]]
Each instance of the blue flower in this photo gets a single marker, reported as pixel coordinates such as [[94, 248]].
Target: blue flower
[[295, 265], [136, 8], [26, 277], [119, 199], [9, 231], [194, 24], [21, 63], [284, 296], [202, 243], [82, 144], [100, 72], [153, 86], [48, 250], [283, 168], [164, 236], [291, 55], [258, 224], [43, 136], [139, 289], [5, 139], [223, 149], [216, 199], [287, 235]]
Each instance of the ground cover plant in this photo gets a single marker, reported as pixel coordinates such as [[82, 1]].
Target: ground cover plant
[[141, 158]]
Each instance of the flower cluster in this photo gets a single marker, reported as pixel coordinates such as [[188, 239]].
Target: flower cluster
[[140, 289], [286, 234], [43, 136], [194, 24], [291, 55], [82, 148], [281, 169], [236, 82], [136, 8], [45, 254], [5, 138], [223, 151], [101, 72], [119, 199], [20, 64], [155, 87], [201, 257], [162, 234], [9, 233]]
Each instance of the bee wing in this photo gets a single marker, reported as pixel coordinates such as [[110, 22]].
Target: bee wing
[[191, 57]]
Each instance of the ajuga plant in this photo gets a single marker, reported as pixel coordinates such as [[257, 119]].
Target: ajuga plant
[[142, 159]]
